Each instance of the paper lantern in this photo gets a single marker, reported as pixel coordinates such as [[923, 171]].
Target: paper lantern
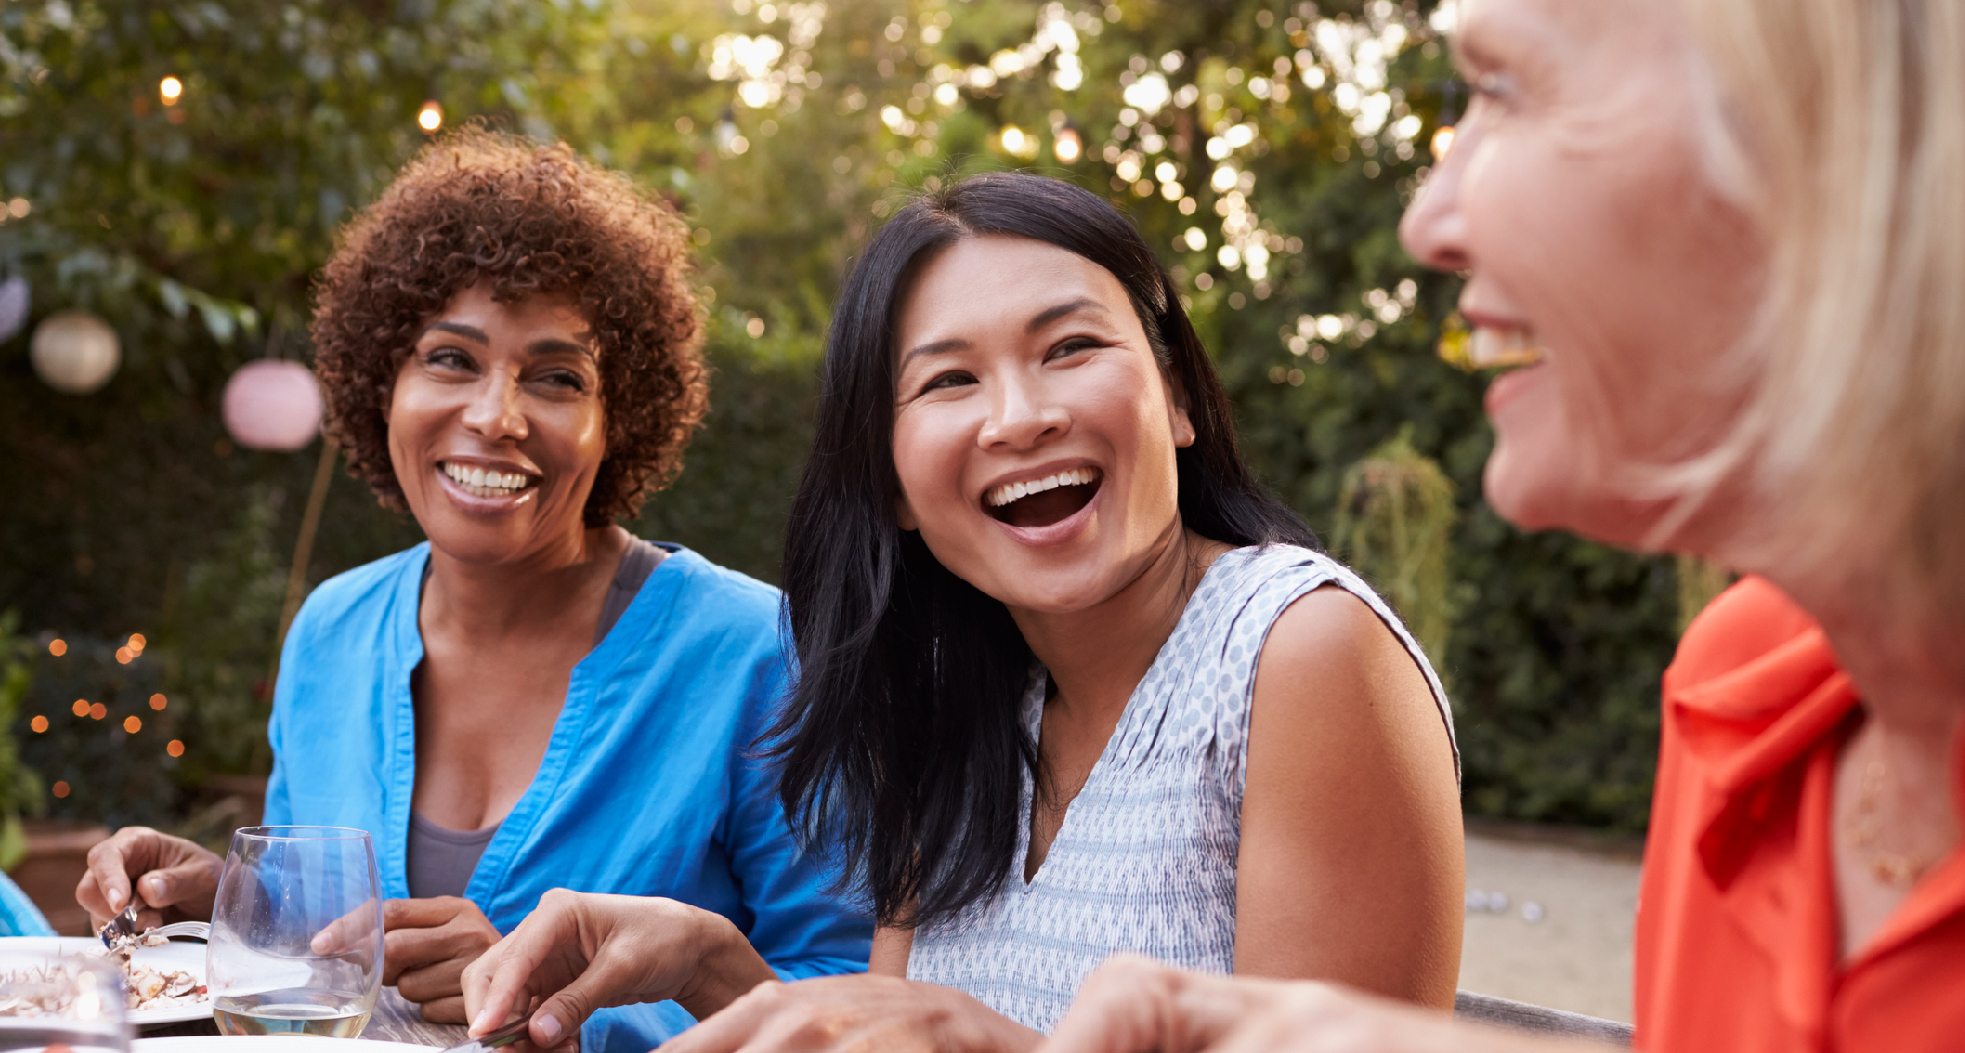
[[75, 353], [13, 307], [273, 405]]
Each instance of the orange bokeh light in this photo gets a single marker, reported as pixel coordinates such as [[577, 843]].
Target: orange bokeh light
[[175, 749], [132, 724], [59, 789], [39, 724], [80, 708], [57, 647], [98, 711], [157, 702], [125, 655], [137, 642]]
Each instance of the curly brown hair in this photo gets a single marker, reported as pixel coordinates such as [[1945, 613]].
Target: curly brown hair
[[531, 220]]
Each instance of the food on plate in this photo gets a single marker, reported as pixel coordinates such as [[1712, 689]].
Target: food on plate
[[147, 986]]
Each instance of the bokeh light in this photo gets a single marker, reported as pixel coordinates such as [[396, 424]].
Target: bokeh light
[[175, 749], [132, 724], [39, 724], [430, 117], [80, 708], [59, 789], [57, 647], [99, 711], [170, 89], [157, 702]]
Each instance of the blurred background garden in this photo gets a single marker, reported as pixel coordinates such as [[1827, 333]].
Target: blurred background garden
[[177, 170]]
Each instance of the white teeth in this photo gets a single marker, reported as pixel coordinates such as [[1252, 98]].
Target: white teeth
[[480, 483], [1009, 492]]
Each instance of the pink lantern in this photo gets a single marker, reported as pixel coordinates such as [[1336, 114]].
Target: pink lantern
[[273, 405]]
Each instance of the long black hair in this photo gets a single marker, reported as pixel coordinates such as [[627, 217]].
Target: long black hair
[[901, 751]]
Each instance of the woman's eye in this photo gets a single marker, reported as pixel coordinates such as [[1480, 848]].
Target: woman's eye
[[1072, 346], [953, 378], [565, 380], [448, 358]]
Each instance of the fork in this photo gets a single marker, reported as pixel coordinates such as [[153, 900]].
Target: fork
[[124, 924]]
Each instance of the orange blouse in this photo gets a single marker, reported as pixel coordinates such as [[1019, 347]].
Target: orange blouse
[[1737, 931]]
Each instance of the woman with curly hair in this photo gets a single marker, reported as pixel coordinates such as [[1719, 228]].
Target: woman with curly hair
[[534, 700]]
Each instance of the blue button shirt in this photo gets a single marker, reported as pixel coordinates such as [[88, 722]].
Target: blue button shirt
[[647, 786]]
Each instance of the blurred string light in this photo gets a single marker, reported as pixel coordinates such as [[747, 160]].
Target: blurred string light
[[170, 89], [430, 117], [1068, 146], [175, 749], [57, 647], [1443, 135], [1016, 142], [75, 353], [59, 789], [158, 702], [39, 724]]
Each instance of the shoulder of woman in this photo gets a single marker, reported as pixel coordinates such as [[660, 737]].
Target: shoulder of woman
[[1331, 635], [362, 592]]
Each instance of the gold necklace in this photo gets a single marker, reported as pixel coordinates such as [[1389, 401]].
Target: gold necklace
[[1862, 830]]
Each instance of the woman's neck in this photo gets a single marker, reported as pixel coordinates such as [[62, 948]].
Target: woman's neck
[[1096, 656], [538, 592]]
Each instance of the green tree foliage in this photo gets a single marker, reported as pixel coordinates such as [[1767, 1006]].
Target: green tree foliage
[[1265, 147]]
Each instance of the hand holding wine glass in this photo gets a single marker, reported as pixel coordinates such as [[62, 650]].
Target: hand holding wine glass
[[296, 943]]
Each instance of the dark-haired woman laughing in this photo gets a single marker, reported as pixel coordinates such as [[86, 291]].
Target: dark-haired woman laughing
[[1072, 682]]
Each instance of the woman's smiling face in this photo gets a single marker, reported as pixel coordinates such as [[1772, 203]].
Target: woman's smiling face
[[1577, 201], [496, 426], [1034, 432]]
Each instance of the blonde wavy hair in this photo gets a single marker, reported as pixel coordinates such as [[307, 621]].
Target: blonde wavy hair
[[1840, 126]]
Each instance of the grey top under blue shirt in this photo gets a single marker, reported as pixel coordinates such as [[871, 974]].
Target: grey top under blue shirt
[[441, 860]]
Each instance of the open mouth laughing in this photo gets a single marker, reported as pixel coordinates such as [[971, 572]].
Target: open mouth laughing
[[486, 483], [1043, 501]]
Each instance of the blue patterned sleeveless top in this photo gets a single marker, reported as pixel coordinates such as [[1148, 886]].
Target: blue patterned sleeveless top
[[1145, 859]]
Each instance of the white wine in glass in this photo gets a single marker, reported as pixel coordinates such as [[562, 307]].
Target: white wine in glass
[[296, 941]]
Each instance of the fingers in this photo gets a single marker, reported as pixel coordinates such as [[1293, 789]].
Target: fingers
[[443, 1010], [424, 913], [1135, 1005], [351, 932], [734, 1027], [170, 886], [174, 873], [440, 980]]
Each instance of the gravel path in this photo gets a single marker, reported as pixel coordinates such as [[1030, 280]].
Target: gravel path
[[1564, 937]]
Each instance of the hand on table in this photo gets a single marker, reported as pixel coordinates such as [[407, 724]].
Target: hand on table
[[426, 945], [846, 1013], [1135, 1005], [583, 951], [174, 879]]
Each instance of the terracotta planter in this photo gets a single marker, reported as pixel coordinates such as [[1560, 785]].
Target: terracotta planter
[[57, 857]]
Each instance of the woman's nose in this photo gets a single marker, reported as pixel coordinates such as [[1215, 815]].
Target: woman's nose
[[1434, 229], [494, 412], [1021, 415]]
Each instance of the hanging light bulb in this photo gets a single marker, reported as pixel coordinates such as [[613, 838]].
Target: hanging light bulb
[[75, 353], [1068, 146], [170, 89], [430, 117]]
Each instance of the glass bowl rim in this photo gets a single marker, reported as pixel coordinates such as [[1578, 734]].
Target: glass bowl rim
[[323, 833]]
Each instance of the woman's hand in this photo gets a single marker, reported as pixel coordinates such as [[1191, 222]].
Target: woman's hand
[[426, 945], [175, 879], [583, 951], [845, 1013], [1134, 1005]]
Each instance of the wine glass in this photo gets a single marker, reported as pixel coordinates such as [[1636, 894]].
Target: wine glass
[[296, 940], [48, 1002]]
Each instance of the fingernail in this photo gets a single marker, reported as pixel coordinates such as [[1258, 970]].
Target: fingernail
[[115, 900], [548, 1025], [481, 1022], [156, 887]]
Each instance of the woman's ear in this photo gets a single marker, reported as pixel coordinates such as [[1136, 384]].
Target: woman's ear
[[1177, 416]]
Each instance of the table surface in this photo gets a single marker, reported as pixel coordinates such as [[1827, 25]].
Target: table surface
[[396, 1019]]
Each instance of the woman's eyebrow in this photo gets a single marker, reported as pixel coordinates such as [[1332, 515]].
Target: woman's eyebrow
[[932, 348], [556, 347], [1052, 314], [465, 331]]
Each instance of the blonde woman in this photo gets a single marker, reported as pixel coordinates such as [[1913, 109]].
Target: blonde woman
[[1735, 229]]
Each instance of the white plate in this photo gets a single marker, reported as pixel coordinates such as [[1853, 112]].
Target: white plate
[[185, 955], [259, 1044]]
